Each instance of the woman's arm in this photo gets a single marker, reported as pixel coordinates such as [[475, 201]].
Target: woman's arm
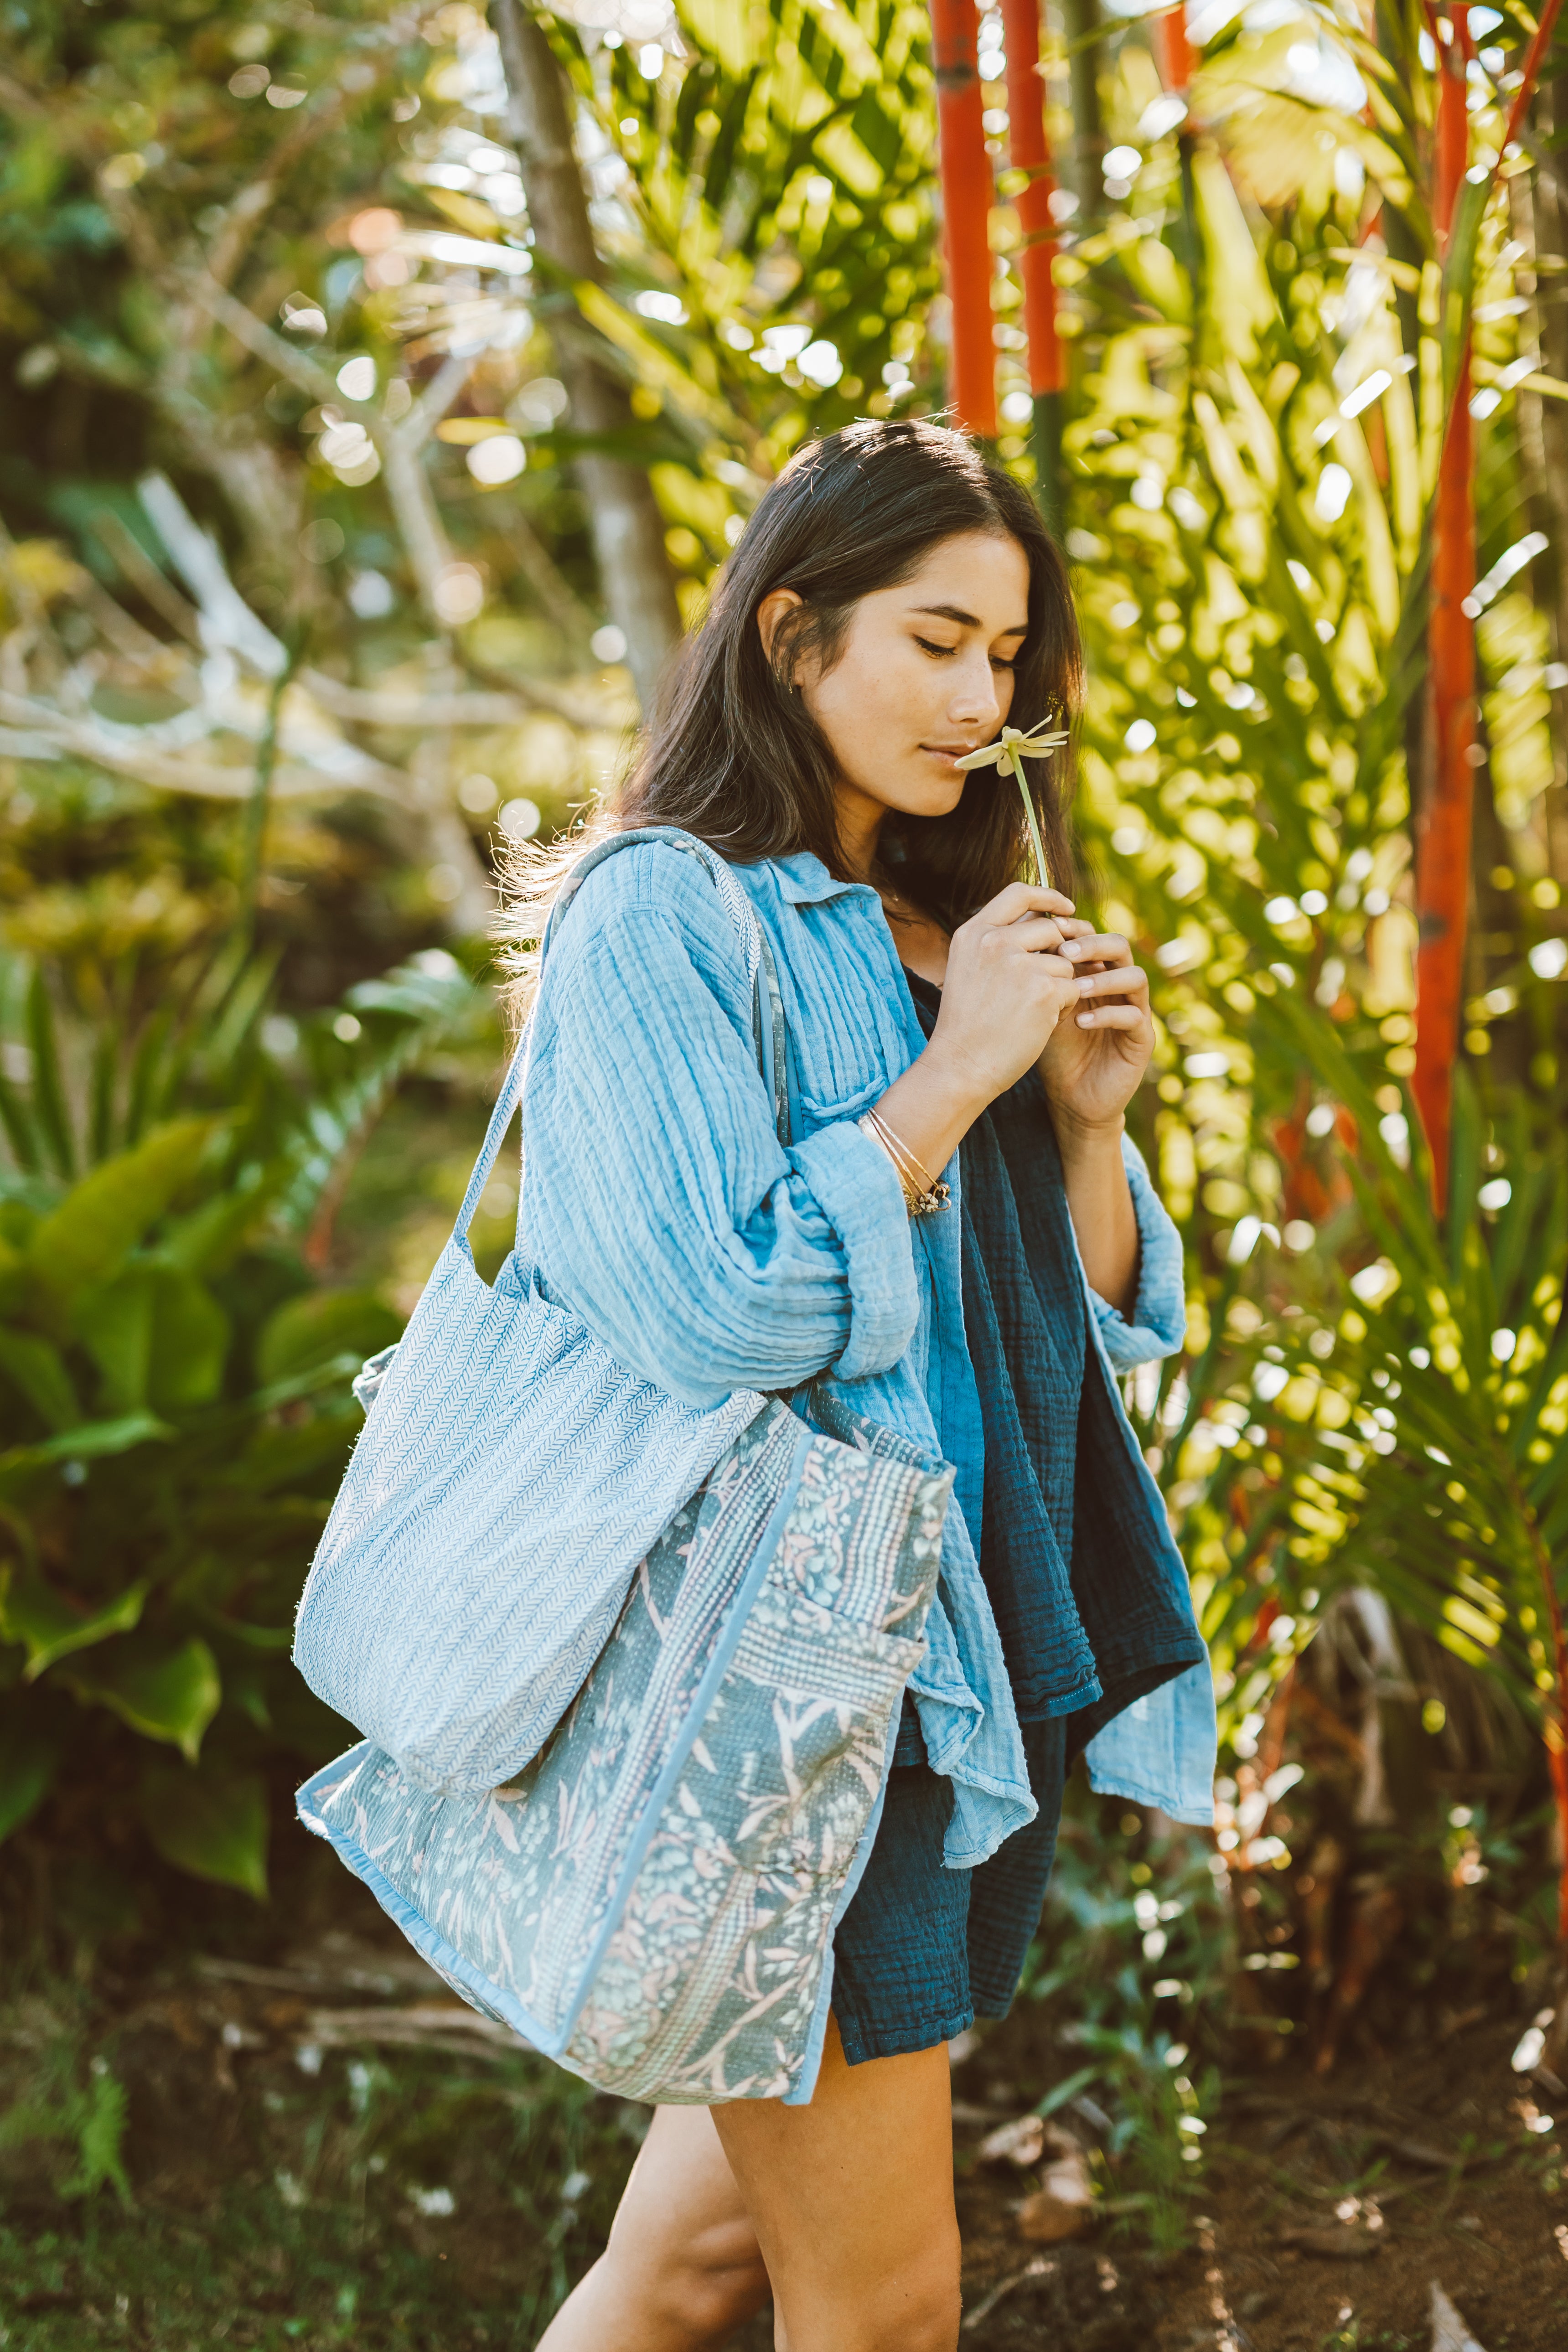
[[657, 1200], [1100, 1202]]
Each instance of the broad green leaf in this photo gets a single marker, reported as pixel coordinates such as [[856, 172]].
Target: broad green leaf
[[49, 1626], [212, 1823], [88, 1238], [38, 1370], [159, 1338], [320, 1325], [164, 1694]]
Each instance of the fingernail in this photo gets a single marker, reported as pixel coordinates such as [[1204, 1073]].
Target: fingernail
[[1086, 1020]]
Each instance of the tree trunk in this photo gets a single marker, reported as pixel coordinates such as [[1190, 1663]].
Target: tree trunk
[[966, 171], [1081, 21], [627, 528], [1031, 153], [1443, 824]]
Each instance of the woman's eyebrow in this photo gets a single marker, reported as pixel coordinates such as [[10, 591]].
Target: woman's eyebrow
[[957, 614]]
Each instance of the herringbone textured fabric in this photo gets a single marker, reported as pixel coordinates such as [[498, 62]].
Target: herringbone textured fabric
[[510, 1474], [652, 1900]]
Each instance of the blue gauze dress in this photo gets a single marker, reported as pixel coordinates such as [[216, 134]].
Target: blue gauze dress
[[1088, 1622]]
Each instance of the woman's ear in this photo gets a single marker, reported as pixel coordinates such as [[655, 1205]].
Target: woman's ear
[[772, 613]]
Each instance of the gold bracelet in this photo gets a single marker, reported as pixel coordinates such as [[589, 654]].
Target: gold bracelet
[[868, 1129], [923, 1194], [901, 1150]]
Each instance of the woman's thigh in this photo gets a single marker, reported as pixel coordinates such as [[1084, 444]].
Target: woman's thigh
[[851, 2199]]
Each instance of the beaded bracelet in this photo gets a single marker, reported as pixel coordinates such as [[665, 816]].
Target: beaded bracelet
[[923, 1193]]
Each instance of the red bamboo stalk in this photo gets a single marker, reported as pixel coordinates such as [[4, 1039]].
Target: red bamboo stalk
[[1443, 820], [966, 190], [1029, 150], [1173, 53]]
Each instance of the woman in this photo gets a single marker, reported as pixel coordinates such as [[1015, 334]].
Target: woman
[[891, 605]]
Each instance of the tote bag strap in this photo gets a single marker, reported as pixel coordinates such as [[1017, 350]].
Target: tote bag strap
[[770, 1036]]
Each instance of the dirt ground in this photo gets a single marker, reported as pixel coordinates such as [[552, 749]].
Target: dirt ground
[[323, 2150], [1326, 2212]]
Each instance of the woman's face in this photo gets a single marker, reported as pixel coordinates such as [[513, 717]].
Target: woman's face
[[925, 675]]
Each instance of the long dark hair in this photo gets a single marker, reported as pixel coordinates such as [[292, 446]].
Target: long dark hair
[[733, 755]]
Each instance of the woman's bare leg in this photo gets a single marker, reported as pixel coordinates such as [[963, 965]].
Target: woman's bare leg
[[842, 2210], [682, 2270], [851, 2198]]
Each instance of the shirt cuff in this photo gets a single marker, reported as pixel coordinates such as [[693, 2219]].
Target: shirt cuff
[[856, 1186], [1159, 1322]]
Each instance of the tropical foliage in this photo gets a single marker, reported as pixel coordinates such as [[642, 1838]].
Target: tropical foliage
[[300, 603], [174, 1390]]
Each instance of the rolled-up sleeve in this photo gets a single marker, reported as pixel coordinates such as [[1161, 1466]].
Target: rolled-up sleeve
[[1159, 1320], [657, 1201]]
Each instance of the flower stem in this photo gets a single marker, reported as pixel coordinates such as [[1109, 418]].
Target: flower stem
[[1042, 871]]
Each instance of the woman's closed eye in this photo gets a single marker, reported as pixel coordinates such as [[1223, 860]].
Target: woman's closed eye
[[945, 652]]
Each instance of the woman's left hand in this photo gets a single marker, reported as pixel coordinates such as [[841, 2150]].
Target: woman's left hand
[[1097, 1056]]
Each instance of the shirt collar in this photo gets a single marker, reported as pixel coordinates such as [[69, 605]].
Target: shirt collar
[[805, 881]]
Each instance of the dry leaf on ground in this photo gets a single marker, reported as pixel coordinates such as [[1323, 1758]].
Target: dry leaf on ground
[[1341, 2245], [1022, 2142], [1063, 2205]]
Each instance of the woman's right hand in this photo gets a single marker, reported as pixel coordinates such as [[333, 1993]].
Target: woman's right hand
[[1007, 985]]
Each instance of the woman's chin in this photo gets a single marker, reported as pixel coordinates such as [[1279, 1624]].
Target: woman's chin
[[921, 797]]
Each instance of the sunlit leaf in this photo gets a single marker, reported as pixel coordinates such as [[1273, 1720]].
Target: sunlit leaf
[[102, 1218], [165, 1693]]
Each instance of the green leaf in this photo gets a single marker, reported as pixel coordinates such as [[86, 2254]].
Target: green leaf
[[170, 1695], [296, 1454], [39, 1370], [309, 1330], [213, 1824], [207, 1239], [49, 1092], [29, 1753], [87, 1239], [49, 1626], [89, 1442], [159, 1338], [16, 1121], [1068, 2088]]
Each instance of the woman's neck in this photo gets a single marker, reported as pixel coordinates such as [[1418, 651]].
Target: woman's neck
[[860, 822]]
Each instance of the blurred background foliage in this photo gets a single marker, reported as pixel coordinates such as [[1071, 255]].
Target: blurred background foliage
[[302, 621]]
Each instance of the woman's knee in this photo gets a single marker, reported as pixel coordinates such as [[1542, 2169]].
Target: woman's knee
[[920, 2311], [911, 2306]]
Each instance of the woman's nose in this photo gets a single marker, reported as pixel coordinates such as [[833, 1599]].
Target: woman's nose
[[976, 697]]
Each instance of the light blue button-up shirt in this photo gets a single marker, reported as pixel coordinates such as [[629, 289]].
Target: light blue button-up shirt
[[660, 1206]]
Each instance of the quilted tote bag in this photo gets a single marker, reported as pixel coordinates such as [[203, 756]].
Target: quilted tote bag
[[652, 1900], [510, 1473]]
